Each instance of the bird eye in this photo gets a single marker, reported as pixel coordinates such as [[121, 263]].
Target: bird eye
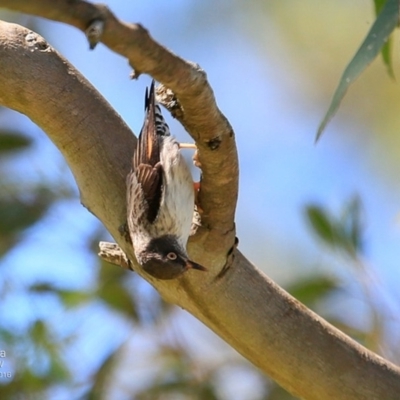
[[172, 256]]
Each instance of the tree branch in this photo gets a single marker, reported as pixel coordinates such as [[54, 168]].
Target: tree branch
[[113, 254], [199, 113], [294, 346]]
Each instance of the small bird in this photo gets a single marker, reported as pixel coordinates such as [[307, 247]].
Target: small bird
[[160, 198]]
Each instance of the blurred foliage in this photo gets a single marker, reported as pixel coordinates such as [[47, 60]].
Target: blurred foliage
[[387, 47], [341, 233], [344, 233], [177, 378], [13, 141], [18, 213], [111, 281], [312, 290], [40, 350]]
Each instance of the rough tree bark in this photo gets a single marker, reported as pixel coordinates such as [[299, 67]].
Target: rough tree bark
[[291, 344]]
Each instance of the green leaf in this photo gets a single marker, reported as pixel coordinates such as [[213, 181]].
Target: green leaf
[[17, 214], [387, 58], [355, 333], [12, 141], [74, 298], [178, 377], [42, 287], [116, 296], [39, 333], [100, 380], [58, 370], [387, 48], [112, 290], [312, 290], [351, 221], [343, 232], [379, 5], [322, 224], [376, 38], [70, 298]]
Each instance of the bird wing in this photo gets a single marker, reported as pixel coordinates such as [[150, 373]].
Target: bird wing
[[150, 180], [146, 159]]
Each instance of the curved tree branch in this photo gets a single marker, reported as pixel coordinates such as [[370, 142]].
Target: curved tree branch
[[294, 346], [198, 111]]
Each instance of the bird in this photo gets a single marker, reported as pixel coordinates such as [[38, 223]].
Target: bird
[[160, 198]]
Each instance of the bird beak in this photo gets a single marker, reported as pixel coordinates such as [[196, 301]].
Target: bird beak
[[193, 265]]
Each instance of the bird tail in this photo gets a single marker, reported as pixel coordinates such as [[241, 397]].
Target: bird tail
[[151, 106], [154, 127]]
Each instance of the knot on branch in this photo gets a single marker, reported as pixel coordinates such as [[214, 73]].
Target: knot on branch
[[36, 42]]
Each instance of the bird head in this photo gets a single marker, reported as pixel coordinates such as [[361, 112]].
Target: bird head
[[165, 258]]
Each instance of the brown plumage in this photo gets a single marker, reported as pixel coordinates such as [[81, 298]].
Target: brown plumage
[[160, 198]]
